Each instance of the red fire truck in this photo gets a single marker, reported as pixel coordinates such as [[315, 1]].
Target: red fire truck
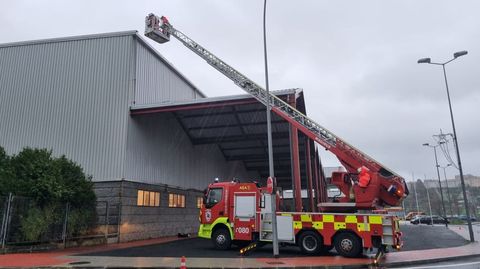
[[235, 212]]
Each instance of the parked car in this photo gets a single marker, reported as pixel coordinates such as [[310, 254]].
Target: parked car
[[422, 219], [464, 217], [411, 215]]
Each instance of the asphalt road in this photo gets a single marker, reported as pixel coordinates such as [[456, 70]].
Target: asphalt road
[[415, 237]]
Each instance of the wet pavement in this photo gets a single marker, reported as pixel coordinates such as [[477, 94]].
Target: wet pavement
[[136, 254], [416, 237]]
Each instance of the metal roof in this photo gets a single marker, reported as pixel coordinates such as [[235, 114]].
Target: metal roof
[[133, 33], [237, 124]]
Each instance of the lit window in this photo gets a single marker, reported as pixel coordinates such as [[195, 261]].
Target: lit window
[[139, 198], [176, 200], [148, 198], [157, 199], [199, 202]]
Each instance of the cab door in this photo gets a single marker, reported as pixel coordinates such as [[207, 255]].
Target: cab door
[[244, 215], [214, 205]]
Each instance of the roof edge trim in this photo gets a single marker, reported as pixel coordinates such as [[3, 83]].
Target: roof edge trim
[[69, 38]]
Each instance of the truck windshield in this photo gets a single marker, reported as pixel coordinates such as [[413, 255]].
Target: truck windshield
[[213, 197]]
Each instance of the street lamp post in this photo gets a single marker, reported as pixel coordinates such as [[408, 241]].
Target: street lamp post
[[448, 190], [465, 200], [438, 174], [269, 141]]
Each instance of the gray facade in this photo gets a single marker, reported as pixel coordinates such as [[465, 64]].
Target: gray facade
[[73, 95]]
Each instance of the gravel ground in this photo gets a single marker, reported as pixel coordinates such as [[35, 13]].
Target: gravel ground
[[416, 237]]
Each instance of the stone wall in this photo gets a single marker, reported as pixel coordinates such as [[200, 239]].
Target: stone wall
[[144, 222]]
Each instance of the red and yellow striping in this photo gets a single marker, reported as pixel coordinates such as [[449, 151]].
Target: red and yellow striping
[[328, 224]]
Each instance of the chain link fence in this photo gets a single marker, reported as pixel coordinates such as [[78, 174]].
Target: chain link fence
[[25, 224]]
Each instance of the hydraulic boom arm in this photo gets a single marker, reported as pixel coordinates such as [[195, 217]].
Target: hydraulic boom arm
[[160, 30]]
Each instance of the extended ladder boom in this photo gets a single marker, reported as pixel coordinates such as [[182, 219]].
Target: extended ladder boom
[[159, 29]]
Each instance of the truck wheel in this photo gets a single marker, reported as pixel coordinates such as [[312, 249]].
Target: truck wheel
[[310, 243], [221, 239], [348, 245]]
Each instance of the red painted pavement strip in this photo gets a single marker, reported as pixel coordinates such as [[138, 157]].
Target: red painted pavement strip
[[32, 259], [56, 257]]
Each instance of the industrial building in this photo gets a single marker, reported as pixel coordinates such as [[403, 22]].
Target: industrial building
[[151, 140]]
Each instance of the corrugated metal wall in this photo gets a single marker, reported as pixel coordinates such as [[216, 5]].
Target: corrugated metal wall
[[70, 96], [73, 95], [156, 82], [159, 151]]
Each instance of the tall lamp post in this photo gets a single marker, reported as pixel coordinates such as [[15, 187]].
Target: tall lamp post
[[269, 139], [438, 174], [446, 185], [465, 200]]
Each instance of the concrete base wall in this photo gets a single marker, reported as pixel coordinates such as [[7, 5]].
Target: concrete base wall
[[141, 222]]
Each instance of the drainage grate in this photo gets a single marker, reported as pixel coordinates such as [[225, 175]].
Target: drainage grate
[[275, 263], [77, 263]]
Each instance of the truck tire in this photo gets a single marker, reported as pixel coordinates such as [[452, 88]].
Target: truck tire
[[348, 245], [310, 242], [221, 239]]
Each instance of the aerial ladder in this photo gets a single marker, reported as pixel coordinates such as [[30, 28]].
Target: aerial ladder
[[385, 188]]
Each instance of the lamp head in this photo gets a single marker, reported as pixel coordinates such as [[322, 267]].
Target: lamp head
[[424, 61], [460, 53]]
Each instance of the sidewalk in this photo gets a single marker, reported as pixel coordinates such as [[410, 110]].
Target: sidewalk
[[462, 230], [65, 259]]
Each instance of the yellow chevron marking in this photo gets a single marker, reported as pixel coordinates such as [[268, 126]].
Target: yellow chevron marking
[[328, 218], [375, 219], [362, 227], [351, 219], [317, 225], [340, 225], [306, 218]]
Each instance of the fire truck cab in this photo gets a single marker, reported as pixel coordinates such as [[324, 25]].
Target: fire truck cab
[[240, 213]]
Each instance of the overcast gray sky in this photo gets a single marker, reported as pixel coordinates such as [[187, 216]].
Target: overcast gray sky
[[355, 60]]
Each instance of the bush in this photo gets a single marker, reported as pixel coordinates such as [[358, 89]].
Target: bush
[[79, 221], [36, 223], [52, 183]]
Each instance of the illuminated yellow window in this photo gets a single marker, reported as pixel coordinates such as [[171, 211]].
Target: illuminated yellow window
[[139, 198], [176, 200], [199, 202], [148, 198], [157, 199]]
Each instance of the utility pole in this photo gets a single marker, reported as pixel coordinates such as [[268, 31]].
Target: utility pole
[[448, 190]]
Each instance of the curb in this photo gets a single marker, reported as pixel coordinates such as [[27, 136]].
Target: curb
[[419, 262], [353, 266]]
